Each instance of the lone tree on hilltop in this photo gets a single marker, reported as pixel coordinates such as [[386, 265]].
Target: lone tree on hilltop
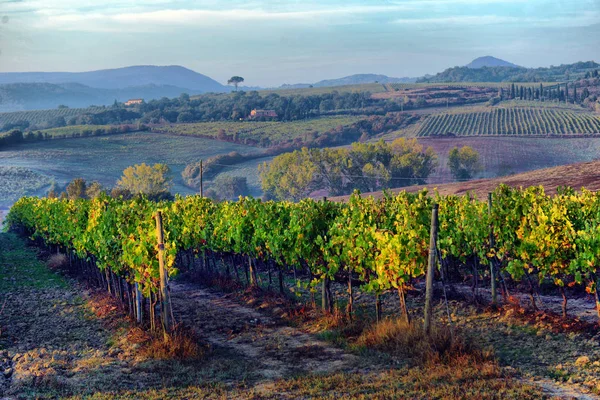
[[235, 80]]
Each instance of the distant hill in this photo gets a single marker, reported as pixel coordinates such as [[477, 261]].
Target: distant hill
[[357, 79], [37, 96], [561, 73], [489, 61], [121, 78]]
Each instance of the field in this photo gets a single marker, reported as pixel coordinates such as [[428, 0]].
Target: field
[[502, 156], [39, 117], [16, 182], [104, 158], [70, 131], [273, 132], [511, 121]]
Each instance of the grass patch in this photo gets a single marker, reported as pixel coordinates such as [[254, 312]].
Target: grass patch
[[408, 340], [20, 267]]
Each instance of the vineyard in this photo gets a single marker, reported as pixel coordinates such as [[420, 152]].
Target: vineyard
[[272, 132], [40, 117], [378, 245], [511, 121]]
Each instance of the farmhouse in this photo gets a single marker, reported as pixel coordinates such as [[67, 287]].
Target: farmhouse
[[133, 102], [263, 114]]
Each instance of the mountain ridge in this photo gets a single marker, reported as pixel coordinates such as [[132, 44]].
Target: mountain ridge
[[122, 78]]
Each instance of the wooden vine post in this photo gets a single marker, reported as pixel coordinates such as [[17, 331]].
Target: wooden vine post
[[138, 303], [431, 269], [165, 307], [493, 258], [326, 300], [201, 179]]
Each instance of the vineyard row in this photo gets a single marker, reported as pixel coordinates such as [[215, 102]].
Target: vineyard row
[[383, 244], [511, 121]]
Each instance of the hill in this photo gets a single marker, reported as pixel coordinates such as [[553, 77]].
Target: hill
[[573, 175], [121, 78], [39, 96], [489, 61], [358, 79], [566, 72]]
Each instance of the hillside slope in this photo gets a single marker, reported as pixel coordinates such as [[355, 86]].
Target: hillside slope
[[40, 96], [120, 78], [489, 61], [574, 175]]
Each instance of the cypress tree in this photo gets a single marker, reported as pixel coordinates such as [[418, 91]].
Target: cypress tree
[[574, 94], [512, 91], [566, 92]]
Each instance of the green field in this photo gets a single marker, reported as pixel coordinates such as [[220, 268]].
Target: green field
[[511, 121], [69, 131], [104, 158], [275, 132], [39, 117]]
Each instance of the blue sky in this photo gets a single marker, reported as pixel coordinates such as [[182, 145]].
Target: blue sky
[[272, 42]]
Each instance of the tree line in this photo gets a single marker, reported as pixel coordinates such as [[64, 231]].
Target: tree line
[[367, 167]]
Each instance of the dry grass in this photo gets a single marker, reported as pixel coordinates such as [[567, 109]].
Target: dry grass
[[408, 340], [57, 261], [182, 344]]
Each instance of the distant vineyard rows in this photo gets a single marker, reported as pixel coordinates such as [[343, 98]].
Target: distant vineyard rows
[[41, 116], [511, 121]]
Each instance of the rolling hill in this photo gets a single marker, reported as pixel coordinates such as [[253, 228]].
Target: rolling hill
[[39, 96], [121, 78], [489, 61]]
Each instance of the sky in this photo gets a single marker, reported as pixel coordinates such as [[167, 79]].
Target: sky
[[272, 42]]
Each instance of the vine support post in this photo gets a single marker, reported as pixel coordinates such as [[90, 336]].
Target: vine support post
[[201, 179], [325, 291], [165, 307], [492, 259], [431, 269], [138, 303]]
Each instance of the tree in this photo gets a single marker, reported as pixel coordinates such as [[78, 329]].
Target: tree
[[94, 190], [464, 163], [153, 181], [228, 187], [76, 189], [290, 176], [235, 80]]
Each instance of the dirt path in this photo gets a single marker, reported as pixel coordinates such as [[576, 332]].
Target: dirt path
[[278, 350]]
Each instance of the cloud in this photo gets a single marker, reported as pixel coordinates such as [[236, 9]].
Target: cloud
[[586, 18]]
